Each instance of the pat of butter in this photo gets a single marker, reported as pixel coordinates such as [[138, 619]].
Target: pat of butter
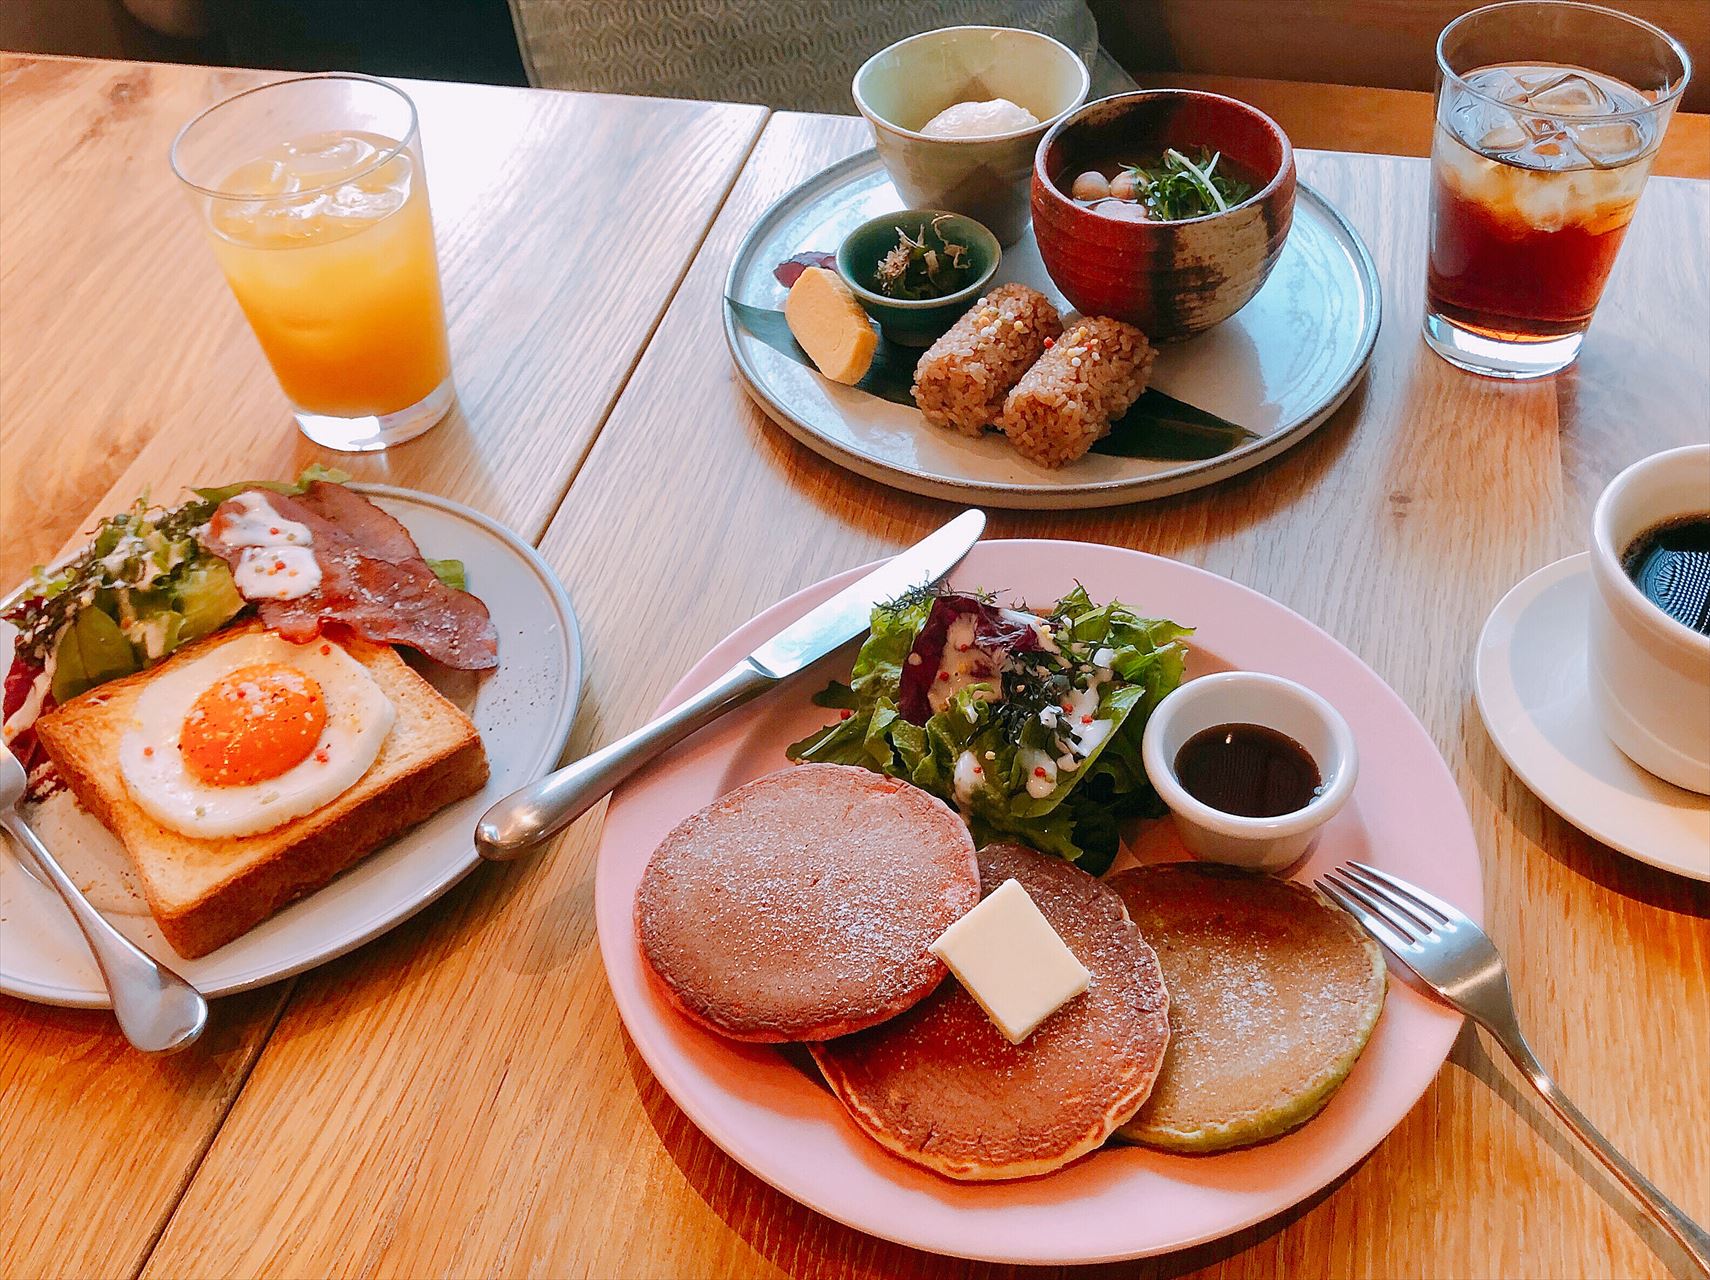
[[825, 318], [1011, 961]]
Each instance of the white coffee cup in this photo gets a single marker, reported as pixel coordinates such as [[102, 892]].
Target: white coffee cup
[[1649, 673]]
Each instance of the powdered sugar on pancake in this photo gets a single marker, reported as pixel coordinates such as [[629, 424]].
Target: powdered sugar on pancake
[[1274, 994], [802, 905], [940, 1085]]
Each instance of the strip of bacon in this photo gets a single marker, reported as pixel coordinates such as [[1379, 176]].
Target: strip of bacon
[[373, 580]]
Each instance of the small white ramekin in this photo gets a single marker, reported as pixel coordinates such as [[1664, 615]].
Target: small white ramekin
[[1247, 697]]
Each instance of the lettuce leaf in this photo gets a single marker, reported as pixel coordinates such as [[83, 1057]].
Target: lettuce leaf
[[450, 572], [878, 667], [314, 471], [90, 651]]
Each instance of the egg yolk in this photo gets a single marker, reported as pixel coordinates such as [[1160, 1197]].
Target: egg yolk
[[252, 724]]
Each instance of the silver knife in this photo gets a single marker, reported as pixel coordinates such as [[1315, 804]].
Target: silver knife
[[524, 818]]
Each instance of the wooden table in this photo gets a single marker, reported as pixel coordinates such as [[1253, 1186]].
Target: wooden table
[[459, 1098]]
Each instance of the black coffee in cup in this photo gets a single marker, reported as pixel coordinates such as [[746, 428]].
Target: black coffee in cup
[[1670, 564]]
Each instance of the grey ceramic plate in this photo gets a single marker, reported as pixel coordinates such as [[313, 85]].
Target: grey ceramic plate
[[1279, 367], [524, 711]]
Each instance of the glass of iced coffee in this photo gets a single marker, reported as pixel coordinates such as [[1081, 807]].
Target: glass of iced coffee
[[1549, 115]]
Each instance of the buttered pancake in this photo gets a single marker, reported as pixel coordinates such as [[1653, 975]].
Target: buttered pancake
[[940, 1085], [1273, 995], [801, 906]]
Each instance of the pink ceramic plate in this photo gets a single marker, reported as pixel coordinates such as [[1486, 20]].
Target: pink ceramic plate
[[1121, 1202]]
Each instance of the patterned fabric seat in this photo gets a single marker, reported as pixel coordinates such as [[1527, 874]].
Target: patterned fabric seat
[[796, 55]]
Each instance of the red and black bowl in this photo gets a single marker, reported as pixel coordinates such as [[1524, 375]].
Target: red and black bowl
[[1169, 279]]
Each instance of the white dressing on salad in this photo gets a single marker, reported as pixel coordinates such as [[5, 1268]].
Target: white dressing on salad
[[31, 708], [277, 561], [1029, 687], [153, 560], [968, 776], [1040, 628], [251, 521], [276, 573], [146, 584], [1085, 731], [1088, 738], [1040, 770]]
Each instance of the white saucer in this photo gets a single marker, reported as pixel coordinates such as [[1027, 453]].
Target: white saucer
[[1529, 676]]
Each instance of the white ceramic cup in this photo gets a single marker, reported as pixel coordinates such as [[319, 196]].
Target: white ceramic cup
[[900, 88], [1649, 673], [1248, 697]]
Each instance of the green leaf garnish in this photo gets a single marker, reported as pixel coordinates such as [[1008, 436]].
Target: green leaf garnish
[[141, 588], [309, 474], [1079, 817], [1181, 186], [451, 573]]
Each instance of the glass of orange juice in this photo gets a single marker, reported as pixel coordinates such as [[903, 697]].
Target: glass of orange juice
[[314, 198]]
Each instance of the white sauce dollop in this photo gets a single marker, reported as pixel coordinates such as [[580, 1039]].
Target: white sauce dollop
[[31, 708], [277, 561], [1041, 771], [962, 664], [1034, 623], [1080, 720], [967, 778]]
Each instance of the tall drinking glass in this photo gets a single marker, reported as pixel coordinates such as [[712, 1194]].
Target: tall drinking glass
[[1549, 115], [314, 198]]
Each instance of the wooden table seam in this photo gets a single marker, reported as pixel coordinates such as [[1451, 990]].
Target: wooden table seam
[[290, 992], [653, 329], [191, 1170]]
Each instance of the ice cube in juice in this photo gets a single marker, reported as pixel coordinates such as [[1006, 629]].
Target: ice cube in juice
[[327, 242]]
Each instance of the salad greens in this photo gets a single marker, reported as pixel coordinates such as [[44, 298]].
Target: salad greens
[[925, 265], [1029, 725], [143, 587]]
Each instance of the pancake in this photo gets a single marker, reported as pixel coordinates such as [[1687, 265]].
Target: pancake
[[941, 1087], [1273, 995], [801, 906]]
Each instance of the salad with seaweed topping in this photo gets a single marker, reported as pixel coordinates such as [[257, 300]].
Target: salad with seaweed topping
[[1028, 723]]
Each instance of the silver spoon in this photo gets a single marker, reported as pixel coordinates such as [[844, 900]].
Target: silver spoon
[[157, 1010]]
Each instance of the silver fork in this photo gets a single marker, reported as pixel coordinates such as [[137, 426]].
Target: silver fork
[[157, 1010], [1460, 963]]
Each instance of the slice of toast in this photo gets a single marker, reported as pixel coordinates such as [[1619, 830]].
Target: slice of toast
[[204, 893]]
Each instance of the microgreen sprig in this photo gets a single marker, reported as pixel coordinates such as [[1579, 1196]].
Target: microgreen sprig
[[1186, 187]]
